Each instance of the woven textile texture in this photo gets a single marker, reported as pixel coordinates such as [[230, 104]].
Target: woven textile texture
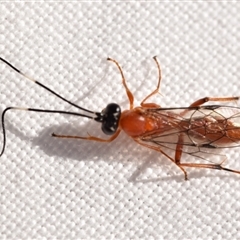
[[74, 189]]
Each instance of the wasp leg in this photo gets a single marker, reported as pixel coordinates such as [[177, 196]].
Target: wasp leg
[[178, 153], [153, 105], [91, 138], [201, 101], [213, 99], [129, 93]]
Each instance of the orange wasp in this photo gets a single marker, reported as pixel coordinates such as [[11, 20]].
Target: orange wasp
[[192, 130]]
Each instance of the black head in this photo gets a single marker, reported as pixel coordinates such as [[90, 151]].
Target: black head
[[109, 117]]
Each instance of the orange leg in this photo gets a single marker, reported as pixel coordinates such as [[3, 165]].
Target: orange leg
[[201, 101], [129, 93], [213, 99], [91, 138], [153, 105], [178, 153], [179, 149]]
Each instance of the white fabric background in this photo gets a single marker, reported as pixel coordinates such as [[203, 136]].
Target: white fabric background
[[58, 188]]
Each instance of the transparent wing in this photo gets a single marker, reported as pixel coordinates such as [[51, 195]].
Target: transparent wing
[[200, 130]]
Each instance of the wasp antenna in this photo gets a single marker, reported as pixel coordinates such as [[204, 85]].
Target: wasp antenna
[[43, 86], [36, 110]]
